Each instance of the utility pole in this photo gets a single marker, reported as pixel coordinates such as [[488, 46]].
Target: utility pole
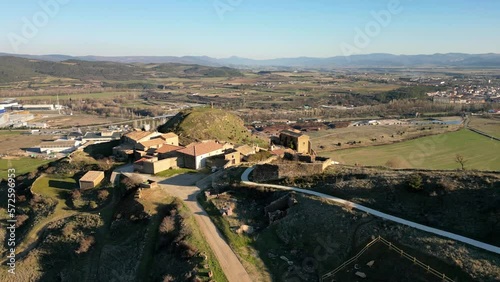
[[57, 106]]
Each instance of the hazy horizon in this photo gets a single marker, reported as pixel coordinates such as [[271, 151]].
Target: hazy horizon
[[231, 56]]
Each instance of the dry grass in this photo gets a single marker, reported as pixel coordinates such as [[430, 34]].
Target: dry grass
[[327, 140], [14, 142], [75, 120], [490, 126], [431, 152], [317, 236]]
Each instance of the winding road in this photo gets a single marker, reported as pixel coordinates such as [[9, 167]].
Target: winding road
[[465, 240]]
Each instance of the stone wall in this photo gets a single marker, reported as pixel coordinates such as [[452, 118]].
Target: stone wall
[[156, 167]]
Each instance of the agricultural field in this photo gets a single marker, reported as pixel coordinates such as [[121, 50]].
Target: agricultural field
[[76, 120], [62, 97], [364, 136], [13, 142], [432, 152], [22, 165], [489, 126]]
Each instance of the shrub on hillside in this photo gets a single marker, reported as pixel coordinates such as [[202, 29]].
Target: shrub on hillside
[[67, 230], [130, 183], [102, 195], [93, 205], [85, 244], [185, 231], [105, 164], [168, 278], [167, 224], [397, 162], [76, 195], [20, 219], [260, 156], [447, 184], [415, 182], [186, 250]]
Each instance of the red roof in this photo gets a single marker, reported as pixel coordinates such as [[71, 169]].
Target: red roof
[[198, 149], [169, 135], [168, 148], [152, 142], [138, 135]]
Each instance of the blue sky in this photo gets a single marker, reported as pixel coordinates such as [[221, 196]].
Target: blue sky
[[248, 28]]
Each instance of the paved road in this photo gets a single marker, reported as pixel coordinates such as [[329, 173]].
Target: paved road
[[186, 187], [439, 232]]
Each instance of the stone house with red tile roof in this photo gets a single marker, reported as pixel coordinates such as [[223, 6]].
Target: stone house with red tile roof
[[195, 155]]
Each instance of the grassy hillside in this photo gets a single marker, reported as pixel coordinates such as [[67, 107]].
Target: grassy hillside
[[433, 152], [210, 124], [178, 70], [102, 234], [317, 236], [14, 69]]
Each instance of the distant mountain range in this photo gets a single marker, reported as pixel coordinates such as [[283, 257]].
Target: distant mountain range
[[354, 61]]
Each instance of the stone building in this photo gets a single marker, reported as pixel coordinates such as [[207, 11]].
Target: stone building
[[295, 140]]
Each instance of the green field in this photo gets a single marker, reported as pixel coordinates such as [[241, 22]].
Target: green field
[[21, 165], [56, 188], [433, 152], [172, 172]]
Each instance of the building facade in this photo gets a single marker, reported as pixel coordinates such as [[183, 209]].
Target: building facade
[[295, 140]]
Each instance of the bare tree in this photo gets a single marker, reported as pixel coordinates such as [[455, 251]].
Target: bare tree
[[461, 160]]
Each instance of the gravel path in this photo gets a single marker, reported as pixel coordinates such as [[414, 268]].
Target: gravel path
[[186, 187]]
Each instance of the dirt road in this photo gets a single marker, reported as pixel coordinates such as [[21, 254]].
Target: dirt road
[[184, 187]]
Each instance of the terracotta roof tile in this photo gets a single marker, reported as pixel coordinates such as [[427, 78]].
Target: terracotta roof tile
[[152, 142], [168, 148], [169, 136], [138, 135], [198, 149]]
